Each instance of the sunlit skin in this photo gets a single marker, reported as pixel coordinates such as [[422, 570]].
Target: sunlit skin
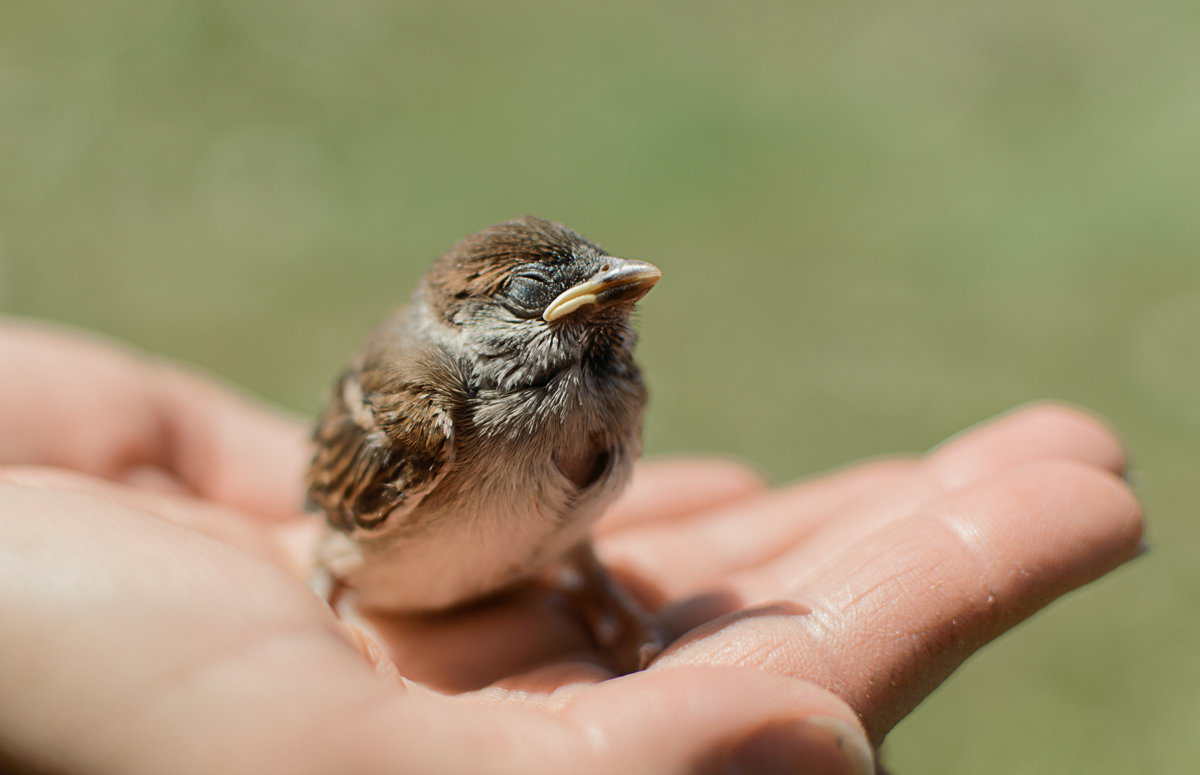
[[151, 552]]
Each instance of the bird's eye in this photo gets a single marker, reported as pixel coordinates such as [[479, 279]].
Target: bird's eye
[[527, 295]]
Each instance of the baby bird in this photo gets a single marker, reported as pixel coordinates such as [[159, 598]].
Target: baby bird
[[481, 431]]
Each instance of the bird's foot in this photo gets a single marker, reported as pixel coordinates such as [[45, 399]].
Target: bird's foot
[[629, 636]]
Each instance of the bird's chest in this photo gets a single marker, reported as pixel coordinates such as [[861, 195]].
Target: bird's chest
[[533, 470], [547, 447]]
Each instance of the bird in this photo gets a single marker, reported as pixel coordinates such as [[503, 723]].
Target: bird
[[481, 431]]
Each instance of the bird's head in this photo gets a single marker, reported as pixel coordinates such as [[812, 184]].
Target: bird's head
[[535, 296]]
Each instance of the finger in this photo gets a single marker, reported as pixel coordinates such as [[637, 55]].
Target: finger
[[1040, 432], [826, 514], [208, 518], [1036, 432], [230, 449], [129, 644], [695, 719], [665, 490], [75, 401], [677, 559], [889, 617], [678, 721]]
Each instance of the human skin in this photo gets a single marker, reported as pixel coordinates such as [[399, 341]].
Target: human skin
[[152, 553]]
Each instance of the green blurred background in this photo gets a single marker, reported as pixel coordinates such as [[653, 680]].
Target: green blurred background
[[878, 223]]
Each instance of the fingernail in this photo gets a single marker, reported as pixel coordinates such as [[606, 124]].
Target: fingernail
[[813, 746]]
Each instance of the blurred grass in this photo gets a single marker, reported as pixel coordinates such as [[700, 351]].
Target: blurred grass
[[878, 223]]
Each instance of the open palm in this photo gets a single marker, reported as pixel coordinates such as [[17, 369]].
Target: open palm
[[152, 553]]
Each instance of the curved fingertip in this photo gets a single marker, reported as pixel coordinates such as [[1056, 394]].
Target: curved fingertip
[[1127, 513], [817, 745], [716, 719], [1116, 515], [1061, 514], [1036, 431], [1107, 445]]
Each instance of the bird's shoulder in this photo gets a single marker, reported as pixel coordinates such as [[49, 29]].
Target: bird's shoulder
[[386, 436]]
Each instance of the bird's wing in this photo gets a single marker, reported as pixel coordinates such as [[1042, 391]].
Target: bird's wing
[[385, 440]]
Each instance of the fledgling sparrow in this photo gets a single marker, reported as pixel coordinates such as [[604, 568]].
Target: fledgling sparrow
[[482, 430]]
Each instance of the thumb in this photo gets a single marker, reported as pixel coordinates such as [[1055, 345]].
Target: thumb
[[720, 720]]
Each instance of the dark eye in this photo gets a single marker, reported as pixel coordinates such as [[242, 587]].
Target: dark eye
[[527, 295]]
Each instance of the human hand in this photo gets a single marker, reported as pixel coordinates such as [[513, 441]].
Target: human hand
[[132, 643]]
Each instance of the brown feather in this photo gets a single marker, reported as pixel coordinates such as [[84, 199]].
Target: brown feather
[[386, 437], [479, 264]]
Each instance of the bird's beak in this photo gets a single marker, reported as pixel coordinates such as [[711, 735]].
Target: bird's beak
[[619, 279]]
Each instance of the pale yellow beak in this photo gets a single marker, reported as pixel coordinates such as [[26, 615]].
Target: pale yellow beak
[[619, 279]]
